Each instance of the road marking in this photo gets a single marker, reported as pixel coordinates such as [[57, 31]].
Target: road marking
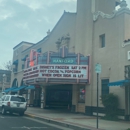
[[29, 128]]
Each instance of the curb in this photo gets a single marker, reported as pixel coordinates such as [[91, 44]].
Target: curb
[[67, 125]]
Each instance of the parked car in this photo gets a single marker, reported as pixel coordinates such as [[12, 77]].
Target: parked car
[[13, 104]]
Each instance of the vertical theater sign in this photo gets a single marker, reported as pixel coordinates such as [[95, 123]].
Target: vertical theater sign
[[56, 67]]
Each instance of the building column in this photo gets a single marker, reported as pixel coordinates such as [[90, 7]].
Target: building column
[[74, 98], [28, 97]]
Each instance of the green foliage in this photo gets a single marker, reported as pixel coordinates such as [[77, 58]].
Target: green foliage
[[128, 129], [111, 103]]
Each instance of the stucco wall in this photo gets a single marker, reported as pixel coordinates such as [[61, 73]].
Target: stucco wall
[[17, 55], [110, 57], [84, 38]]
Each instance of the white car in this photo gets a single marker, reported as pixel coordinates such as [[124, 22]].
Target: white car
[[13, 104]]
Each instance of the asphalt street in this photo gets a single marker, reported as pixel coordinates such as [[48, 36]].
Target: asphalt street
[[16, 122]]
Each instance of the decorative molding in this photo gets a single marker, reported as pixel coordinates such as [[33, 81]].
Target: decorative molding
[[48, 32], [103, 15], [123, 9], [123, 4], [125, 44], [63, 41]]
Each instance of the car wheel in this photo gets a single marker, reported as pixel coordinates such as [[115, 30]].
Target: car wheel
[[21, 113], [3, 111]]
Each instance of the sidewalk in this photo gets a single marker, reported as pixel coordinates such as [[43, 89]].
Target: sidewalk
[[72, 120]]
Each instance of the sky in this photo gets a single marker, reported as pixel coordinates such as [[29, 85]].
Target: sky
[[28, 20]]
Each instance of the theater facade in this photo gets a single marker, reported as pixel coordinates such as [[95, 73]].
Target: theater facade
[[59, 70]]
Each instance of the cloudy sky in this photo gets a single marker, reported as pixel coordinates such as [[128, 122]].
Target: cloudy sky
[[28, 20]]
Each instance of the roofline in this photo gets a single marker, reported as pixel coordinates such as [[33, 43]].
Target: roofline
[[23, 42], [2, 70], [45, 38], [64, 13]]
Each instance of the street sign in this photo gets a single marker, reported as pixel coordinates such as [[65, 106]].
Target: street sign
[[98, 68]]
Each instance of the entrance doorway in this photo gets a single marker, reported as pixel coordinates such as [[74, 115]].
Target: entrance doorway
[[34, 96], [37, 97], [59, 96]]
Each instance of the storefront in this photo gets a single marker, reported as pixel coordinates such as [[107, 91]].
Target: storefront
[[56, 73]]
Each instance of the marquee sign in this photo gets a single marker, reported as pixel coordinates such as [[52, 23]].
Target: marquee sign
[[58, 67], [64, 71], [63, 60]]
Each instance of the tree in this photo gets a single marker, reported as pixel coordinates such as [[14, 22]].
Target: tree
[[111, 103], [7, 65]]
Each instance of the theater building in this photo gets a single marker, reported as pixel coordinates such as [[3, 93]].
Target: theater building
[[59, 70]]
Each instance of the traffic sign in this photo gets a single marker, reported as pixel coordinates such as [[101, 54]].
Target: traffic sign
[[98, 68]]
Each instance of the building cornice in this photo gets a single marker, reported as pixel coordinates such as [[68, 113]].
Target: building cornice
[[125, 44], [22, 43], [103, 15], [123, 9]]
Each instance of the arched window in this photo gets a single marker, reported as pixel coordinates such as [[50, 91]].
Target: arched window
[[22, 91], [22, 83], [15, 83]]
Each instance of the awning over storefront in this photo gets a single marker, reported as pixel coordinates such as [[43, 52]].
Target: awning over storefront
[[15, 62], [24, 59], [30, 87], [19, 88], [9, 89], [118, 83]]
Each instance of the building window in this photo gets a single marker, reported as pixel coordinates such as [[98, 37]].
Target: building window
[[105, 87], [22, 66], [39, 50], [127, 72], [15, 63], [1, 78], [25, 58], [8, 78], [7, 98], [102, 40], [15, 69], [82, 94]]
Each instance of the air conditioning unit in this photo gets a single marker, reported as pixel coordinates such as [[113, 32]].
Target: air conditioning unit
[[128, 55]]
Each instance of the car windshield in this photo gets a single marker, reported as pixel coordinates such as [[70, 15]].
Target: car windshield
[[19, 99]]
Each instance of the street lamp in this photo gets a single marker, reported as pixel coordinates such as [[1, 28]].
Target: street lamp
[[4, 80]]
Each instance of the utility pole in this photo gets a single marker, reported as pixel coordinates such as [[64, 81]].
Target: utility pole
[[97, 98], [97, 70]]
